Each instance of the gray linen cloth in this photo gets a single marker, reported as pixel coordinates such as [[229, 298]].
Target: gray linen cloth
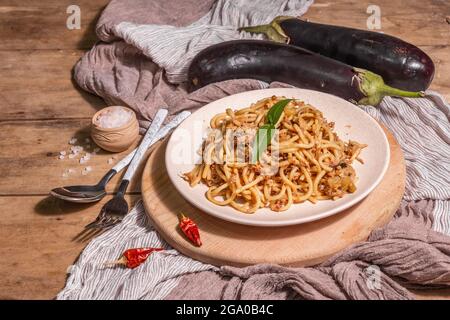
[[135, 66]]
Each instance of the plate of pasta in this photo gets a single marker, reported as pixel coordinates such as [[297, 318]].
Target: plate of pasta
[[277, 157]]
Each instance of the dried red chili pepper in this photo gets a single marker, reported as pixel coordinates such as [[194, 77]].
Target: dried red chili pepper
[[190, 229], [133, 258]]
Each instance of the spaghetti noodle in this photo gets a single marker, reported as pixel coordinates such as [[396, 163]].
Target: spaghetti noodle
[[312, 162]]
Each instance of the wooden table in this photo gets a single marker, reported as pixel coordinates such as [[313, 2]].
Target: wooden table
[[41, 109]]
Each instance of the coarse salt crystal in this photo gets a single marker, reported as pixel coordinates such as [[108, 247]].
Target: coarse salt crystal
[[76, 149], [63, 153], [61, 157], [88, 168], [73, 141], [114, 117]]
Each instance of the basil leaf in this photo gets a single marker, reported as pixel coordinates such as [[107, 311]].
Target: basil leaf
[[276, 110], [262, 141]]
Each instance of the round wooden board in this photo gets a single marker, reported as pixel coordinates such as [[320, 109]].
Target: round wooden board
[[226, 243]]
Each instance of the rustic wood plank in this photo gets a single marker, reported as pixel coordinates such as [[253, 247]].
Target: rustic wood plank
[[441, 59], [443, 294], [29, 153], [47, 226], [418, 22], [33, 24], [28, 26], [37, 84]]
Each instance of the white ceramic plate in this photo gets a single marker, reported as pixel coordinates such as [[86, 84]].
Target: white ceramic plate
[[350, 123]]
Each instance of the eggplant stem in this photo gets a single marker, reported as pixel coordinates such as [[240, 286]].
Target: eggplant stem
[[273, 30], [373, 88], [391, 91]]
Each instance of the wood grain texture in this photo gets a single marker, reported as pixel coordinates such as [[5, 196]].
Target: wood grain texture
[[36, 24], [441, 59], [38, 52], [226, 243], [37, 243], [422, 23], [37, 84], [419, 22], [29, 153]]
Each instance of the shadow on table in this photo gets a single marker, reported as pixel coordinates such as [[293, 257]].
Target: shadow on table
[[52, 206]]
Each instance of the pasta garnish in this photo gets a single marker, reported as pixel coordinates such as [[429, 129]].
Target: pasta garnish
[[313, 163]]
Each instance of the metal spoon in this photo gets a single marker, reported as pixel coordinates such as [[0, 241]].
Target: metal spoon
[[92, 193]]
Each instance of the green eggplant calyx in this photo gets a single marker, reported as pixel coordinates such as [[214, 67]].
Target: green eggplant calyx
[[372, 86], [273, 30]]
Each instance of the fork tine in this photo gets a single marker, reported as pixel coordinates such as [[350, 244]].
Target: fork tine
[[112, 223], [97, 220], [104, 223], [95, 223]]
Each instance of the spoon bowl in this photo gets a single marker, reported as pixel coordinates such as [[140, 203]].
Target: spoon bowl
[[79, 194], [92, 193], [85, 194]]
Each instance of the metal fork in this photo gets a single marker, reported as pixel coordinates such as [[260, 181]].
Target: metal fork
[[115, 209]]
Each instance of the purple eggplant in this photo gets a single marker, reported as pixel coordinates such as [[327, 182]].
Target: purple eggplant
[[401, 64], [270, 61]]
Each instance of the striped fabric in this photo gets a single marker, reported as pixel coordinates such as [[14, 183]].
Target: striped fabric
[[173, 48], [421, 126], [90, 279], [421, 121]]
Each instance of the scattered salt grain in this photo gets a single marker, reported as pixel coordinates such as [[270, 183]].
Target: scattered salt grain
[[86, 170], [72, 155], [61, 157], [76, 149], [114, 117], [96, 150], [73, 141], [63, 153], [66, 173], [110, 160]]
